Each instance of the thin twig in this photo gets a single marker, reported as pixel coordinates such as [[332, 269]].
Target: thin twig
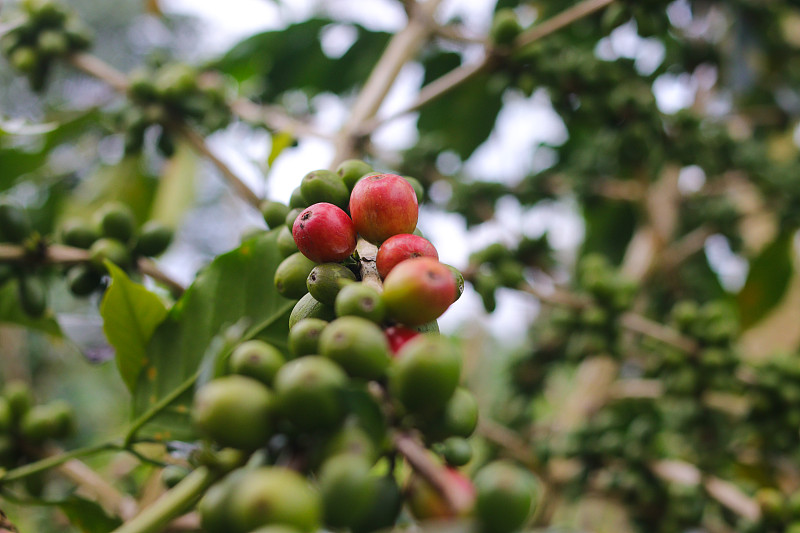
[[640, 324], [149, 268], [101, 70], [562, 20], [367, 252], [274, 118]]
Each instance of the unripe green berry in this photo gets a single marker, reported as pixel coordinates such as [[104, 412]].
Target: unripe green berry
[[505, 27], [457, 451], [324, 186], [347, 489], [357, 345], [351, 171], [285, 242], [274, 213], [78, 234], [111, 249], [116, 221], [304, 336], [309, 392], [297, 201], [32, 294], [506, 495], [83, 280], [425, 373], [154, 239], [256, 359], [309, 307], [358, 299], [291, 275], [326, 280]]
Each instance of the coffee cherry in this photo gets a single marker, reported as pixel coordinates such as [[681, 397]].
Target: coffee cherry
[[296, 200], [459, 277], [304, 336], [154, 239], [324, 233], [32, 294], [15, 225], [116, 221], [351, 439], [309, 307], [285, 242], [215, 505], [274, 496], [419, 190], [506, 496], [383, 205], [6, 417], [292, 215], [387, 502], [234, 411], [347, 489], [111, 249], [418, 290], [46, 421], [398, 248], [78, 234], [309, 393], [325, 186], [425, 503], [351, 171], [19, 397], [460, 417], [456, 451], [357, 345], [256, 359], [505, 27], [326, 280], [291, 275], [398, 336], [274, 213], [358, 299], [425, 373], [83, 280]]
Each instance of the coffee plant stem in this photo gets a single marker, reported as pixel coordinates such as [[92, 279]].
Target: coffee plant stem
[[101, 70], [54, 461], [367, 252], [149, 268], [172, 503], [6, 526], [562, 20], [274, 118]]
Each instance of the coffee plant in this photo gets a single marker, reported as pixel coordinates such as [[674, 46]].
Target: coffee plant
[[297, 380]]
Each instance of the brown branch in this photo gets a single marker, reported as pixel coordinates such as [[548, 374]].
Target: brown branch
[[94, 66], [431, 471], [97, 487], [560, 21], [6, 526], [274, 118], [367, 252], [148, 267], [644, 326]]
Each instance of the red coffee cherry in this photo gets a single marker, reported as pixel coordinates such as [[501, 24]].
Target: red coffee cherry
[[418, 290], [383, 205], [324, 233], [398, 248]]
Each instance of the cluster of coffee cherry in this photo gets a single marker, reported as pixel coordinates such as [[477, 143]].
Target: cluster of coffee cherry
[[363, 364]]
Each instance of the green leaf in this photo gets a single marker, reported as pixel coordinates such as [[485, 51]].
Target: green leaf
[[767, 280], [270, 59], [11, 312], [280, 142], [130, 315], [236, 285], [88, 516], [464, 118], [609, 229], [176, 189]]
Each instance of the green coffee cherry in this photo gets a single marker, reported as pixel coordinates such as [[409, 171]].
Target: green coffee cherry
[[7, 272], [38, 424], [52, 43], [351, 171], [83, 280], [425, 373], [324, 186], [419, 190], [14, 223], [32, 294], [291, 275], [285, 242], [274, 496], [309, 307], [274, 213], [351, 439], [154, 239], [326, 280], [459, 280], [292, 215], [304, 336], [111, 249], [360, 300], [357, 345], [256, 359], [505, 497], [234, 411], [387, 502], [8, 451], [19, 397], [116, 221], [78, 234], [25, 59], [347, 489], [456, 451], [215, 506], [505, 27], [6, 417], [297, 201], [309, 393]]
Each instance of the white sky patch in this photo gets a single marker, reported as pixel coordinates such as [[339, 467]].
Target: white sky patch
[[674, 93], [401, 133], [336, 39], [375, 15], [522, 124], [691, 179], [294, 163], [731, 268], [647, 54]]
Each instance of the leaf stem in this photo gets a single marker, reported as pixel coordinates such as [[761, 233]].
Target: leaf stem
[[56, 460], [172, 503], [159, 406]]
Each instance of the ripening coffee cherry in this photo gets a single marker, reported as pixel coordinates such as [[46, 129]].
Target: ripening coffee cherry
[[154, 239], [324, 233], [425, 373], [324, 186], [398, 336], [304, 336], [351, 171], [326, 280], [418, 290], [347, 489], [358, 299], [234, 411], [398, 248], [116, 221], [256, 359], [506, 497], [274, 496], [291, 275], [383, 205], [459, 277], [309, 393], [357, 345], [425, 503]]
